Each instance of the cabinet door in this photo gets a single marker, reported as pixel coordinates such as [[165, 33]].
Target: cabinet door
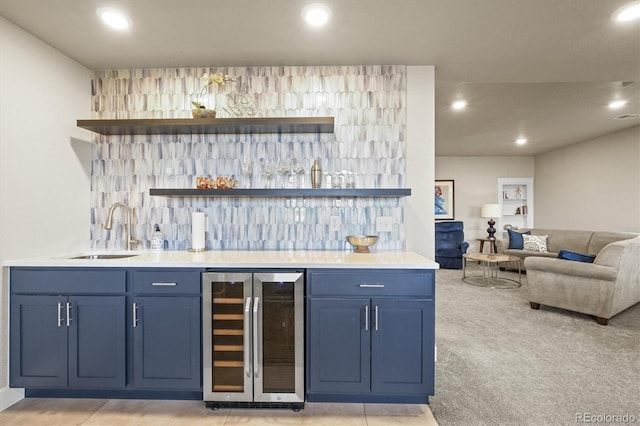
[[339, 345], [402, 346], [38, 337], [97, 341], [166, 343]]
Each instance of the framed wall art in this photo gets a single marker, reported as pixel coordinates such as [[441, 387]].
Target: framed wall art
[[444, 200]]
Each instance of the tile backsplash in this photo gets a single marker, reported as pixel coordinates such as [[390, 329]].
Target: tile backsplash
[[367, 103]]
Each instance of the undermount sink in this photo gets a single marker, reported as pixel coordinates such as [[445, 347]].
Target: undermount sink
[[103, 256]]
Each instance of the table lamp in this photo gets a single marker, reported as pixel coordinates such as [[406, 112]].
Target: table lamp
[[491, 211]]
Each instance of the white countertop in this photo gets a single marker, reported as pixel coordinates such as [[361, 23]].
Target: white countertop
[[237, 259]]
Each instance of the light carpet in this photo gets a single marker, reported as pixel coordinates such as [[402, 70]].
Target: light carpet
[[502, 363]]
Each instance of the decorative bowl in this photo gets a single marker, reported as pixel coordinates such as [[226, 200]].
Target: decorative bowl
[[362, 242], [203, 113]]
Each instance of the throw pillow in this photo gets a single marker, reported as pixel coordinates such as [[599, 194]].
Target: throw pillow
[[515, 239], [535, 243], [577, 257]]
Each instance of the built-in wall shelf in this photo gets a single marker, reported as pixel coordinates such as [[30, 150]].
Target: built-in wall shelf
[[282, 193], [175, 126]]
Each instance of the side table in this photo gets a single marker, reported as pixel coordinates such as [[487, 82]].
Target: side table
[[492, 245]]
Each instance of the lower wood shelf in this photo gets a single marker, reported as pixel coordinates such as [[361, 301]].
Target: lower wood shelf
[[283, 193]]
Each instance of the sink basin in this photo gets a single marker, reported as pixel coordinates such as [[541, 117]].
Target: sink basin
[[104, 256]]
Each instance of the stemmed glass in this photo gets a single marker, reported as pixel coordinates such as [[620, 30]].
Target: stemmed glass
[[300, 170], [285, 170], [267, 171], [247, 170]]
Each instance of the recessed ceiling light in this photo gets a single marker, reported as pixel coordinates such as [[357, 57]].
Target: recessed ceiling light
[[521, 141], [617, 104], [627, 12], [459, 104], [316, 14], [114, 18]]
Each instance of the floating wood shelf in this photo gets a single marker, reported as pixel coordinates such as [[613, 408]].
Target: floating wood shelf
[[282, 193], [175, 126]]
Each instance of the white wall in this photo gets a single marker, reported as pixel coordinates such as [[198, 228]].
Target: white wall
[[592, 185], [44, 159], [420, 159], [476, 183]]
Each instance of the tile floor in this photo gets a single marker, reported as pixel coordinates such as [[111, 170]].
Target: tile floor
[[98, 412]]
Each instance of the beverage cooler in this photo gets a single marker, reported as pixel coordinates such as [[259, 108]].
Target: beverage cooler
[[253, 344]]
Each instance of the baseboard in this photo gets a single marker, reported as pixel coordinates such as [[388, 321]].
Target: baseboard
[[9, 396]]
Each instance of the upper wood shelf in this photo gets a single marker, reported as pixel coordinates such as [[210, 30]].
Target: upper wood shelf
[[175, 126]]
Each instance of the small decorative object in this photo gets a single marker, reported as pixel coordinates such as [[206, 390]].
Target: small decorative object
[[518, 210], [362, 242], [224, 182], [221, 182], [524, 209], [491, 211], [444, 200], [518, 192], [203, 182], [200, 110], [241, 104]]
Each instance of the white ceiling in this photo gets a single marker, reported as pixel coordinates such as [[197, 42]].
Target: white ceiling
[[545, 69]]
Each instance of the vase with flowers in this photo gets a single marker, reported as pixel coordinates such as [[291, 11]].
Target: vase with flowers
[[200, 110]]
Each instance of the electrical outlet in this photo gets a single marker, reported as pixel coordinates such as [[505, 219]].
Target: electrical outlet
[[334, 224], [384, 224]]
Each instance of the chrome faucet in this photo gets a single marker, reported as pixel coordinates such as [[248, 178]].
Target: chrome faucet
[[131, 242]]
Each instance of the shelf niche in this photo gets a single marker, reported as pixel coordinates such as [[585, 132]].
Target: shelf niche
[[175, 126], [282, 193]]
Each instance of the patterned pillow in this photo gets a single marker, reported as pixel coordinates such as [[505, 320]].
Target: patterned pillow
[[535, 243]]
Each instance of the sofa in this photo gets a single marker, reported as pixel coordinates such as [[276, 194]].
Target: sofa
[[587, 242], [450, 244], [603, 288]]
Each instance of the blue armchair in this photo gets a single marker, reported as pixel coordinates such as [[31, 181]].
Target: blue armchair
[[450, 244]]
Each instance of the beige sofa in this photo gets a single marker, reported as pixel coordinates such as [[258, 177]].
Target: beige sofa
[[587, 242], [603, 288]]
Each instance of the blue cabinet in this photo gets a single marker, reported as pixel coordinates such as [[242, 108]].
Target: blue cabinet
[[338, 343], [166, 325], [67, 330], [122, 331], [370, 335]]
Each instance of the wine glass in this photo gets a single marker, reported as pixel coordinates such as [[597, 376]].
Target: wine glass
[[285, 171], [267, 171], [246, 165], [301, 171]]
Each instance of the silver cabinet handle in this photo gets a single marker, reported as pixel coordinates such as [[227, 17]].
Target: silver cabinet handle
[[248, 362], [257, 337], [60, 314], [68, 314], [164, 284], [366, 317], [135, 314], [375, 316], [372, 285]]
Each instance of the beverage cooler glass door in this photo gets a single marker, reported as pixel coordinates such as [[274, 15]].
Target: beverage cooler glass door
[[278, 330], [226, 310], [253, 328]]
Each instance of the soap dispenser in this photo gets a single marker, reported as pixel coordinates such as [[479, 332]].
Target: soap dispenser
[[157, 239]]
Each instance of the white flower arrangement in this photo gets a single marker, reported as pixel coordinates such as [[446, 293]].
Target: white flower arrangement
[[209, 79]]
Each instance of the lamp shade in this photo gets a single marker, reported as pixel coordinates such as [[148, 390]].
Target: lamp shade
[[491, 210]]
